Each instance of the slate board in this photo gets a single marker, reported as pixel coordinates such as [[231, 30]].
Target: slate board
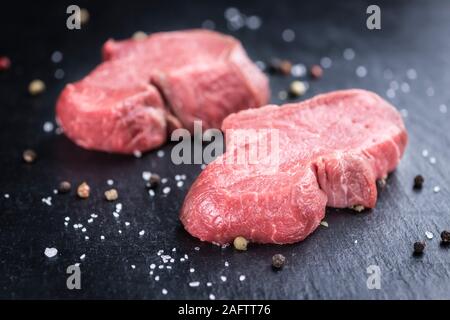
[[331, 263]]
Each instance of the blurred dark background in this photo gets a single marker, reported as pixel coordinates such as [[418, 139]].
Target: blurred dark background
[[331, 263]]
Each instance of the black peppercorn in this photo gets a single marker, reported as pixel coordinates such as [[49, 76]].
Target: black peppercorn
[[64, 187], [153, 182], [419, 247], [445, 237], [418, 182], [278, 261]]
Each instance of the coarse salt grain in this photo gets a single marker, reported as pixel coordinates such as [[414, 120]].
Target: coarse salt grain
[[160, 153], [51, 252], [82, 256], [209, 284], [48, 126], [142, 232], [429, 235], [109, 182], [164, 291], [191, 270], [425, 153], [180, 184], [146, 175], [86, 238], [411, 74], [152, 266], [102, 237], [212, 297], [127, 223], [137, 153], [288, 35], [324, 223], [348, 54], [133, 266], [326, 62], [227, 264], [90, 220], [67, 218], [194, 284], [197, 248], [156, 278], [6, 195], [116, 215], [151, 192], [436, 189], [443, 108], [223, 278], [166, 190], [432, 160], [361, 71], [241, 277]]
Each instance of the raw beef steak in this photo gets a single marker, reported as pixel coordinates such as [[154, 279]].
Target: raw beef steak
[[331, 150], [147, 87]]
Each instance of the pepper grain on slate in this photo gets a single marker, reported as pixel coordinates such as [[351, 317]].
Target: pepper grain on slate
[[418, 182], [64, 187], [153, 182], [83, 190], [419, 247], [29, 156], [278, 261], [445, 236], [316, 71]]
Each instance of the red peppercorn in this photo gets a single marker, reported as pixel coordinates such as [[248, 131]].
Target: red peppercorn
[[5, 63], [316, 71]]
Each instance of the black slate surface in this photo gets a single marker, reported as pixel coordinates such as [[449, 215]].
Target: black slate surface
[[331, 263]]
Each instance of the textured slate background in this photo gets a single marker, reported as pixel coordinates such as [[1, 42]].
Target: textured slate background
[[329, 264]]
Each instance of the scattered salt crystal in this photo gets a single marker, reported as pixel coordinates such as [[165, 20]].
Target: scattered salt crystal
[[109, 182], [102, 237], [48, 126], [116, 215], [356, 241], [120, 231], [160, 153], [152, 266], [429, 234], [411, 74], [443, 108], [194, 284], [425, 153], [133, 266], [59, 74], [183, 177], [66, 224], [282, 95], [432, 160], [169, 267], [164, 291], [151, 272], [82, 256], [191, 270], [212, 297], [6, 195], [47, 201], [209, 284], [146, 175], [223, 278], [227, 264], [180, 184], [164, 180], [182, 259], [326, 62], [253, 22], [241, 277], [166, 190], [57, 57], [119, 207], [404, 113], [161, 266], [324, 223], [94, 215], [405, 87], [361, 71], [83, 230], [172, 260], [394, 85], [203, 166], [55, 191], [177, 177], [349, 54], [137, 153], [430, 91], [51, 252], [75, 226], [86, 238], [142, 232], [151, 192], [288, 35], [67, 218], [261, 65], [186, 257], [197, 248], [174, 249], [160, 252], [436, 189], [209, 24], [90, 220], [298, 70], [156, 278], [127, 223]]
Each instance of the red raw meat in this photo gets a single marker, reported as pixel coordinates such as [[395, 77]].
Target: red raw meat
[[147, 87], [332, 149]]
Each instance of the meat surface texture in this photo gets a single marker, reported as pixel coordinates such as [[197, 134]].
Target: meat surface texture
[[147, 87], [331, 150]]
